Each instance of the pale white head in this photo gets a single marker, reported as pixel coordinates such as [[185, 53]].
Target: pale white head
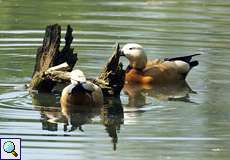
[[135, 54], [77, 76]]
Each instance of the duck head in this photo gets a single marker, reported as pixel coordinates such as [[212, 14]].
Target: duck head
[[135, 54], [77, 76]]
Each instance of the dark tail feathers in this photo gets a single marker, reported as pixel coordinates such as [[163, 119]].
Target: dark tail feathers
[[186, 59], [193, 63]]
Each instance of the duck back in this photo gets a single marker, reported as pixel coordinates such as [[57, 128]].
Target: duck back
[[85, 95]]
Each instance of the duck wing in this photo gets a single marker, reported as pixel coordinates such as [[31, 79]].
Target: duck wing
[[182, 58], [154, 62]]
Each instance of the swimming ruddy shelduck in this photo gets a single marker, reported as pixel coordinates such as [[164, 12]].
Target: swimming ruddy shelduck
[[81, 93], [169, 70]]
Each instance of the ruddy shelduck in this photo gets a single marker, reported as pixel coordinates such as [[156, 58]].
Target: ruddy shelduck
[[143, 71]]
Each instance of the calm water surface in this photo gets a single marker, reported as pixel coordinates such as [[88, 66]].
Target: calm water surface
[[161, 123]]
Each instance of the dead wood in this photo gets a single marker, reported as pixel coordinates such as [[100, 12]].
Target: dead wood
[[49, 56], [112, 78]]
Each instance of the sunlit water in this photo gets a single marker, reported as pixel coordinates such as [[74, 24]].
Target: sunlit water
[[148, 125]]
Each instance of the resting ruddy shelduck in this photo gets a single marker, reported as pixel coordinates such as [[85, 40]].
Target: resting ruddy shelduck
[[167, 71], [81, 92]]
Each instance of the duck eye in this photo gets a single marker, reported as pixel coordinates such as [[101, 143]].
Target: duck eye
[[131, 48]]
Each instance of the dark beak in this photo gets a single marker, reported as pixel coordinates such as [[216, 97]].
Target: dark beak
[[122, 53]]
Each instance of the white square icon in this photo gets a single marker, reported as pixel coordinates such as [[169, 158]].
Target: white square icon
[[10, 149]]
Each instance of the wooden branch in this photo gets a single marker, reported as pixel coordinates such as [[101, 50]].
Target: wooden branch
[[58, 76], [60, 67]]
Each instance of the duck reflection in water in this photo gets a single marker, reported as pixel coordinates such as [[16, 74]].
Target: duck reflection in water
[[137, 93], [75, 117], [111, 114]]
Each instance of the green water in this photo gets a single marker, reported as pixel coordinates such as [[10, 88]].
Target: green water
[[154, 124]]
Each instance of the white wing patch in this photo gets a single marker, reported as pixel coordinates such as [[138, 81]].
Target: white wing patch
[[183, 67]]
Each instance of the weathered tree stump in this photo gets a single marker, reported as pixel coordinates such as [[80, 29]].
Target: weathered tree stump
[[49, 56], [53, 66], [112, 78]]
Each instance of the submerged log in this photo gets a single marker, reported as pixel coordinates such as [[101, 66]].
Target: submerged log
[[49, 56]]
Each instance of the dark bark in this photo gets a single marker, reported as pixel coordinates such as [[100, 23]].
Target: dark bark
[[112, 78], [49, 56]]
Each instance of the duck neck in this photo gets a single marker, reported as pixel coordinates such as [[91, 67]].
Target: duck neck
[[139, 65], [138, 62], [129, 67]]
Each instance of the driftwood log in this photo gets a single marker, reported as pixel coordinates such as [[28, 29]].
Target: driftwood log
[[49, 56], [53, 66]]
